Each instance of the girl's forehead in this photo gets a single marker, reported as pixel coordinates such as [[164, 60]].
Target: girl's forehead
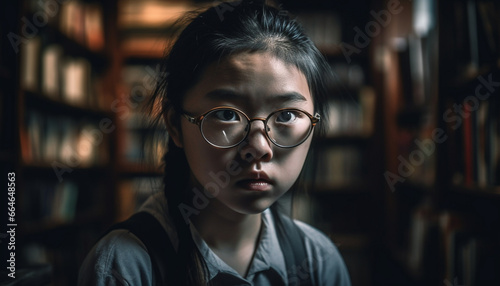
[[255, 63], [257, 83], [252, 73]]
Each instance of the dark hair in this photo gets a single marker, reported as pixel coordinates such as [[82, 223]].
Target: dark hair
[[212, 35]]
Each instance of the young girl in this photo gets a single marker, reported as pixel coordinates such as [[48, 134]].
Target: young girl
[[244, 93]]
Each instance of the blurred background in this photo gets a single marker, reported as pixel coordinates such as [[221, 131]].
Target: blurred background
[[407, 183]]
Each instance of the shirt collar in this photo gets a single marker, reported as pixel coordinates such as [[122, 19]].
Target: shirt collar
[[267, 256]]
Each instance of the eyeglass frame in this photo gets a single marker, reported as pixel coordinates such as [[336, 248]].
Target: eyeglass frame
[[198, 119]]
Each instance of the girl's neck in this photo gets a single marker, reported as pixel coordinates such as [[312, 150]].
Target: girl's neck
[[225, 229], [232, 236]]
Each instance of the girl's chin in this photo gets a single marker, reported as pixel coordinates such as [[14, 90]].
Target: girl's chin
[[251, 208]]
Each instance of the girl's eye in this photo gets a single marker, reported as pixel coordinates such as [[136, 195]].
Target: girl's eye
[[286, 117], [227, 115]]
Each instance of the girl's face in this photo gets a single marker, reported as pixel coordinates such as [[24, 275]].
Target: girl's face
[[250, 177]]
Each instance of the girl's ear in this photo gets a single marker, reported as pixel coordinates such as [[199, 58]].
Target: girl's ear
[[173, 124]]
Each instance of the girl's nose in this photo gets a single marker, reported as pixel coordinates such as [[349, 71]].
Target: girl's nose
[[257, 146]]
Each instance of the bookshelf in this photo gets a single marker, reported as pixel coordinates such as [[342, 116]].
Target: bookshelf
[[441, 142], [58, 72], [469, 169], [144, 30], [343, 187]]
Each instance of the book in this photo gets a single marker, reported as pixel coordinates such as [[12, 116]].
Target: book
[[67, 151], [32, 141], [94, 31], [65, 201], [51, 139], [87, 145], [488, 32], [51, 61], [482, 145], [144, 46], [72, 21], [324, 29], [338, 166], [351, 117], [468, 145], [473, 35], [76, 81], [151, 14], [29, 64]]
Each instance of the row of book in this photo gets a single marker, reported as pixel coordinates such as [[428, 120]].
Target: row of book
[[52, 139], [139, 81], [324, 29], [46, 69], [352, 116], [347, 77], [477, 34], [471, 257], [50, 201], [339, 166], [141, 142], [478, 149], [143, 25], [81, 21], [143, 146]]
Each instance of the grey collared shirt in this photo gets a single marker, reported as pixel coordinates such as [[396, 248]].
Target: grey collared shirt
[[121, 259]]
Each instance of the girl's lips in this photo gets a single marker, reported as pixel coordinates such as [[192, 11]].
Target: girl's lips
[[255, 184]]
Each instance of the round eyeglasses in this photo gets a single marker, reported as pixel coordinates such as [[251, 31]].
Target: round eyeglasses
[[226, 127]]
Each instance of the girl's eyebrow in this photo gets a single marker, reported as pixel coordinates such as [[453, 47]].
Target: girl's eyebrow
[[225, 94], [289, 96]]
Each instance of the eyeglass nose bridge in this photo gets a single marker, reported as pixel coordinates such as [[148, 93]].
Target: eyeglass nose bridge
[[249, 124], [266, 129]]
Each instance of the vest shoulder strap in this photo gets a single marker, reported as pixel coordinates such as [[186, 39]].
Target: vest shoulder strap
[[293, 247], [154, 237]]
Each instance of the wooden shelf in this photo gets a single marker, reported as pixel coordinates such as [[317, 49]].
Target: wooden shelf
[[40, 167], [346, 139], [47, 226], [138, 169], [60, 213], [465, 83], [76, 49], [492, 192], [40, 101]]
